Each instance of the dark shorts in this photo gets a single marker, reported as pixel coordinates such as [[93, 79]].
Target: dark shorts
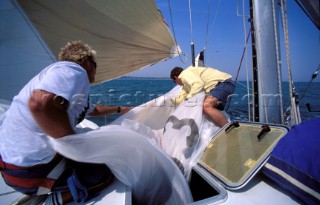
[[88, 174], [223, 90]]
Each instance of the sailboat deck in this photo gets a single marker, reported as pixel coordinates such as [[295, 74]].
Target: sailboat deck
[[116, 193], [256, 192]]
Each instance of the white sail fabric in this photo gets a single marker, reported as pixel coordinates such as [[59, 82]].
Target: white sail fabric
[[22, 55], [140, 145], [127, 35], [144, 147], [153, 177]]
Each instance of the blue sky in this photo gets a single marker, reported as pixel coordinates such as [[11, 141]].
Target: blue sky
[[225, 38]]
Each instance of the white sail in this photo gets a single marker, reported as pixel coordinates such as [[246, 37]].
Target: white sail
[[127, 35]]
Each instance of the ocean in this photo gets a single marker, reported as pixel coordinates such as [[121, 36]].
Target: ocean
[[132, 91]]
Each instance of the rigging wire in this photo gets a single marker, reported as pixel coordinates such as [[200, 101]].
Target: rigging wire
[[190, 18], [246, 42], [314, 75], [191, 35], [211, 21], [239, 67], [207, 27], [295, 113], [275, 26], [243, 52], [247, 67], [174, 33], [207, 31]]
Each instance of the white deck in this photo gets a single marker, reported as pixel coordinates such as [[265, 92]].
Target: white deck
[[7, 194], [261, 191]]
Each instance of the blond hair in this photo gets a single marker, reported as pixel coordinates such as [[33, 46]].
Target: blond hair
[[77, 52]]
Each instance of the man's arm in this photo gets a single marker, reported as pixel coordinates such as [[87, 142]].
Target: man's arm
[[180, 98], [196, 87], [50, 112], [101, 110]]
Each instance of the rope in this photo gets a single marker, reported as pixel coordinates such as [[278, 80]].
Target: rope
[[278, 61], [295, 119]]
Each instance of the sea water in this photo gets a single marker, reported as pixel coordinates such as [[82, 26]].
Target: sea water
[[130, 91]]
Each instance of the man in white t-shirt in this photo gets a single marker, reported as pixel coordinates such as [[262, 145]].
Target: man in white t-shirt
[[52, 104]]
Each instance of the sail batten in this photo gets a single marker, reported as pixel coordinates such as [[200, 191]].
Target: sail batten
[[127, 35]]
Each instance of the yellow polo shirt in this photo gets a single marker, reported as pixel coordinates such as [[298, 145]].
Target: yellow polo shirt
[[198, 79]]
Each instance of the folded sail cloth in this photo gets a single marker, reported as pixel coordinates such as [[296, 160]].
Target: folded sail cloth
[[153, 177], [152, 135]]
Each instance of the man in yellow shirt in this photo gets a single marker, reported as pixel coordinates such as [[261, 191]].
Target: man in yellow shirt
[[218, 85]]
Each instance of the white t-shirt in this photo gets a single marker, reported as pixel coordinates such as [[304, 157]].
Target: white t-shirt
[[22, 141]]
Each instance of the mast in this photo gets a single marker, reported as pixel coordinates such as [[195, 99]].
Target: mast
[[266, 38], [193, 55], [254, 70]]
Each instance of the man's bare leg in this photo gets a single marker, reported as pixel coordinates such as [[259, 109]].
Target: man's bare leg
[[209, 109]]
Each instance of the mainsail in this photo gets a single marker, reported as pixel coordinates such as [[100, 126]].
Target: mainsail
[[312, 10], [127, 35]]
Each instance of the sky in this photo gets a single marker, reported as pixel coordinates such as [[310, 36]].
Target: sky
[[221, 28]]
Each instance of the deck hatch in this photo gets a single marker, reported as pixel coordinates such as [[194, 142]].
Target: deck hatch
[[233, 156]]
